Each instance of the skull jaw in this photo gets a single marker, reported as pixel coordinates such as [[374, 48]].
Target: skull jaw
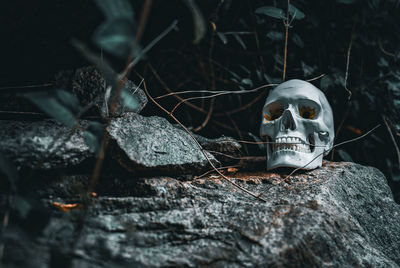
[[295, 160]]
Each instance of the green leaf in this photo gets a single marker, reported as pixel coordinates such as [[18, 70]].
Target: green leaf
[[297, 40], [240, 41], [247, 81], [274, 35], [307, 70], [129, 100], [59, 104], [198, 21], [326, 82], [383, 62], [278, 59], [223, 38], [116, 37], [270, 11], [296, 13], [116, 9], [93, 136], [244, 69]]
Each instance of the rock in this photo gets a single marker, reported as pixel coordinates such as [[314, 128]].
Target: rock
[[153, 145], [33, 145], [87, 84], [226, 149], [340, 215]]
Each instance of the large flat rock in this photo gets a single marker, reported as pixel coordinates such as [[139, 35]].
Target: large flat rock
[[153, 145], [340, 215], [42, 144]]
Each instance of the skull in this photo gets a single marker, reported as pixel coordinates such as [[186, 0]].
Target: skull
[[297, 121]]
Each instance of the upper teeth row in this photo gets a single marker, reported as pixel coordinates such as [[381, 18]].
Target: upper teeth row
[[288, 140]]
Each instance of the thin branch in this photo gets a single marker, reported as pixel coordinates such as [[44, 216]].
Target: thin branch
[[131, 61], [30, 86], [287, 24], [196, 98], [143, 20], [225, 126], [227, 155], [270, 142], [244, 107], [213, 87], [215, 92], [385, 51], [315, 78], [348, 64], [208, 117], [258, 49], [341, 126], [238, 132], [213, 170], [150, 46], [173, 93], [200, 147], [393, 139]]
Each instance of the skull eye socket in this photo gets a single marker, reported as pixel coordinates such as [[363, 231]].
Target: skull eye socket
[[307, 112], [273, 111]]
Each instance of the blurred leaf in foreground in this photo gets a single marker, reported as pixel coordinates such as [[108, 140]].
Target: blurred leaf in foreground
[[198, 21], [59, 104], [116, 37], [272, 12], [117, 34], [93, 136], [115, 9]]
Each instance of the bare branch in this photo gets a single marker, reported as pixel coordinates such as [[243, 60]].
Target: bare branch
[[200, 147]]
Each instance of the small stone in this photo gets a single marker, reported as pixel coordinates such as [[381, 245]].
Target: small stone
[[152, 144], [88, 84]]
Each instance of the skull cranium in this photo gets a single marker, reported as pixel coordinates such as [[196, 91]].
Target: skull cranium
[[297, 122]]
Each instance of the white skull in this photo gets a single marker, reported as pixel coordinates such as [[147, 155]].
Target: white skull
[[298, 121]]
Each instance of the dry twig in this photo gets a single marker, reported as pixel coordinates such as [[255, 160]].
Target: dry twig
[[200, 147], [348, 64], [393, 139], [287, 25]]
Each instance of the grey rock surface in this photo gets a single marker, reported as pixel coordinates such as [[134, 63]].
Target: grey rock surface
[[225, 149], [153, 144], [88, 85], [340, 215], [42, 144]]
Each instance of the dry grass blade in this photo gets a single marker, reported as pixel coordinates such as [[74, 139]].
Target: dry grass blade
[[393, 139]]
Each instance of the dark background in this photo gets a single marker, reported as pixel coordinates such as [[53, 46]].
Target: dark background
[[36, 44]]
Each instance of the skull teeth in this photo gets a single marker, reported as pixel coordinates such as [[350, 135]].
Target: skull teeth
[[290, 144]]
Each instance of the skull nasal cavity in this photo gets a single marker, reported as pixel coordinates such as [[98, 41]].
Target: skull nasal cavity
[[287, 121]]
